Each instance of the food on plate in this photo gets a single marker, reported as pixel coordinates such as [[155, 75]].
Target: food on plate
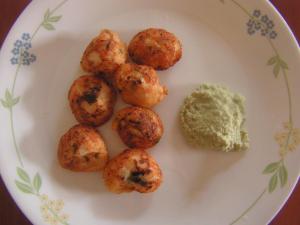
[[132, 170], [92, 100], [155, 47], [139, 85], [213, 117], [138, 127], [104, 54], [82, 149]]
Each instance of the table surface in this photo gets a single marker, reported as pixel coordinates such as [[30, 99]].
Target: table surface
[[9, 212]]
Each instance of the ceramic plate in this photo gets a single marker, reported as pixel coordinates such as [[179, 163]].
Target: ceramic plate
[[242, 44]]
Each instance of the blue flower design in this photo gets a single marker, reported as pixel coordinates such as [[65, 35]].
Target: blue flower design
[[250, 23], [27, 58], [257, 26], [27, 45], [265, 19], [273, 35], [262, 23], [25, 54], [264, 32], [18, 44], [26, 62], [20, 52], [32, 58], [14, 61], [270, 24], [25, 36], [15, 51], [256, 13]]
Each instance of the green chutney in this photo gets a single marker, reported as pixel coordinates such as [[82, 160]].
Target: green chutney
[[213, 117]]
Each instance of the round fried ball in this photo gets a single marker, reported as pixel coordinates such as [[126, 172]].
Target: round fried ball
[[92, 100], [155, 47], [138, 127], [82, 149], [104, 54], [132, 170], [139, 85]]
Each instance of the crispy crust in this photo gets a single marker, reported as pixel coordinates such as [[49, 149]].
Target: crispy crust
[[82, 149], [92, 100], [138, 127], [132, 170], [104, 54], [155, 47], [139, 85]]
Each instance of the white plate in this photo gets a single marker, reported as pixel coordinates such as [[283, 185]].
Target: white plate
[[221, 44]]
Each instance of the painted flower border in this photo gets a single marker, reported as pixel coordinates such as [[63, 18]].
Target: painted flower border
[[289, 138], [51, 210]]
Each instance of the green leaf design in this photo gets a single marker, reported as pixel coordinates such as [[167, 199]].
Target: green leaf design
[[24, 187], [15, 100], [23, 175], [54, 19], [272, 167], [283, 175], [37, 182], [283, 64], [9, 101], [4, 103], [48, 26], [278, 64], [276, 70], [46, 15], [273, 183], [8, 95], [48, 20], [272, 60]]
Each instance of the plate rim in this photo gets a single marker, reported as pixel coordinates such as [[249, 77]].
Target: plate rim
[[268, 4]]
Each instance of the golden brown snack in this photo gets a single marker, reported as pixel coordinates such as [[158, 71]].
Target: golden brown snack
[[138, 127], [82, 149], [139, 85], [155, 47], [104, 54], [132, 170], [92, 100]]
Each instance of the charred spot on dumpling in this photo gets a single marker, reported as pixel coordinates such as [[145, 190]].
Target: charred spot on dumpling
[[91, 95], [137, 177], [132, 170], [92, 100]]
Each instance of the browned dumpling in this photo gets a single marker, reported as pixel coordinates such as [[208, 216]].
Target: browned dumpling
[[132, 170], [92, 100], [138, 127], [139, 85], [104, 54], [82, 149], [155, 47]]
